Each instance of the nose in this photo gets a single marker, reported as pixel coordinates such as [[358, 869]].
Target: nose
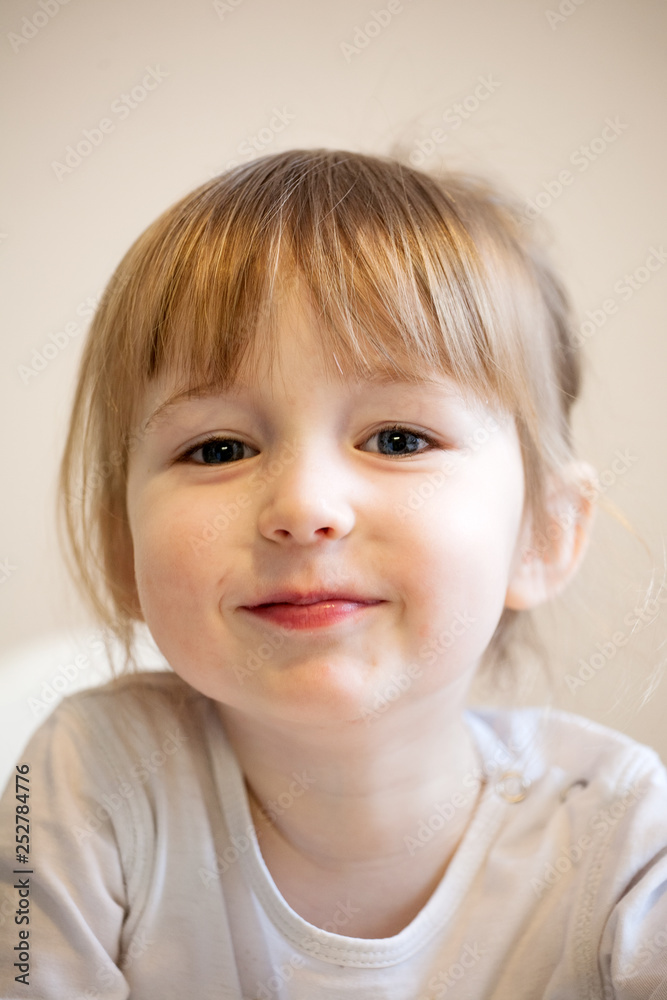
[[309, 499]]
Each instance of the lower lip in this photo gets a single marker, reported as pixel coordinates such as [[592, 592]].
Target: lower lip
[[308, 616]]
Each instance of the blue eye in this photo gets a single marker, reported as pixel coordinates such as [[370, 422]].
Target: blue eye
[[215, 451], [398, 441], [398, 438]]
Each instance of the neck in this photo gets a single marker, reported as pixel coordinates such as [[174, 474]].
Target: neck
[[356, 794]]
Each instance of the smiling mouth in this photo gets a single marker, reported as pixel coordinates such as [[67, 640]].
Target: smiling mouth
[[316, 614]]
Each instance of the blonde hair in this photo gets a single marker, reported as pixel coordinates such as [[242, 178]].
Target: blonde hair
[[409, 273]]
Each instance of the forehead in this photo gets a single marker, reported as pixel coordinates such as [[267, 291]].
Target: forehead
[[295, 346], [165, 395]]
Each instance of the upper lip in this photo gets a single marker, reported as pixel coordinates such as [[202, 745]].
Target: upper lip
[[311, 597]]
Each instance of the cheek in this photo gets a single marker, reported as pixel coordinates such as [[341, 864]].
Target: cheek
[[458, 555], [471, 541], [173, 563]]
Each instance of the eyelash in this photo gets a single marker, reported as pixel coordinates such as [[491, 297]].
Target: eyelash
[[186, 456]]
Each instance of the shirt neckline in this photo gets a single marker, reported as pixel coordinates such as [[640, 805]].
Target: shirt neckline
[[434, 916]]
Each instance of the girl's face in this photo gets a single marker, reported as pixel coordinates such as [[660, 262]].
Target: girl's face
[[408, 498]]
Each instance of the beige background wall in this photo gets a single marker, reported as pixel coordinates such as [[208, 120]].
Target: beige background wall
[[537, 84]]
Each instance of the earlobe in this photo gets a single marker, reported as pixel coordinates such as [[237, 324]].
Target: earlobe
[[545, 561]]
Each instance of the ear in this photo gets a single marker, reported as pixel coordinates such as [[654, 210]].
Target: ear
[[545, 562]]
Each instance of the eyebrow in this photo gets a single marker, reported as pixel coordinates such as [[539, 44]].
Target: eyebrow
[[194, 392], [378, 379]]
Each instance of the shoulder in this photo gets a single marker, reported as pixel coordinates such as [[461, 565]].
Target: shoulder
[[550, 741], [143, 698], [116, 728], [136, 688], [588, 783], [599, 800]]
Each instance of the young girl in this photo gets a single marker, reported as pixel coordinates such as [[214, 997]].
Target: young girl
[[321, 447]]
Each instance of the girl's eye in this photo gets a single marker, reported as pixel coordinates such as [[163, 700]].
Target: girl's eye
[[214, 451], [397, 439]]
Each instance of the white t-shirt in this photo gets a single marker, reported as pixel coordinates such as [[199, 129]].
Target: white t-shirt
[[145, 878]]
